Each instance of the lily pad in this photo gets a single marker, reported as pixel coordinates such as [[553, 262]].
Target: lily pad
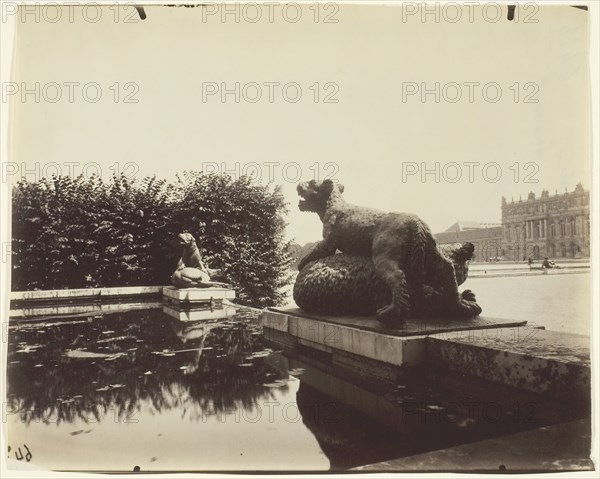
[[80, 354]]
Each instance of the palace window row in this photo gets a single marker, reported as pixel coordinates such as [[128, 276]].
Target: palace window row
[[552, 228]]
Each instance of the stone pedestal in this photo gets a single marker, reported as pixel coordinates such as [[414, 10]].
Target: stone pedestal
[[197, 296], [365, 336]]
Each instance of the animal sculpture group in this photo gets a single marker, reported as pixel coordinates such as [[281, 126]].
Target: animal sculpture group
[[387, 264], [191, 271]]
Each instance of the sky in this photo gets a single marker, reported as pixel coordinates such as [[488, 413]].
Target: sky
[[337, 99]]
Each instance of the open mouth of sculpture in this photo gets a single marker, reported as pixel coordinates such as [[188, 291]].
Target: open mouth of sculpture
[[303, 192], [303, 203]]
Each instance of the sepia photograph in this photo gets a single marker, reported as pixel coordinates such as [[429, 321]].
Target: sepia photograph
[[242, 239]]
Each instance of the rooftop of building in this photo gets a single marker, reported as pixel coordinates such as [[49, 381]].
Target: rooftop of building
[[545, 195], [470, 225]]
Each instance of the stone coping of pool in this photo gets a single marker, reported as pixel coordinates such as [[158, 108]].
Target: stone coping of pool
[[506, 352], [73, 310], [18, 298], [545, 362], [74, 302], [559, 447], [197, 295], [84, 293]]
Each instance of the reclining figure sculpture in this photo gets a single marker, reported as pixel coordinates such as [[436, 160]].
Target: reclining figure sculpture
[[191, 271]]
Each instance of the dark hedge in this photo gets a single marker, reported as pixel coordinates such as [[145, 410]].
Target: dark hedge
[[84, 232]]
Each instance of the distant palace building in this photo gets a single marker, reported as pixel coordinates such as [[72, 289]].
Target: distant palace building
[[556, 226], [486, 237]]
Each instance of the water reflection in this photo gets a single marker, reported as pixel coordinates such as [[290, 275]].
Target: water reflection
[[346, 436], [83, 369], [200, 314], [211, 395]]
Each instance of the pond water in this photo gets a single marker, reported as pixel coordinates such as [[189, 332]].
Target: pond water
[[557, 302], [141, 388]]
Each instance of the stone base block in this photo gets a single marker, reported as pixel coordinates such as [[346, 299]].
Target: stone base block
[[197, 295], [330, 336], [366, 337], [413, 327]]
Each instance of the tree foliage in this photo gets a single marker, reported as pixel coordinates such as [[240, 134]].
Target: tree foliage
[[84, 232]]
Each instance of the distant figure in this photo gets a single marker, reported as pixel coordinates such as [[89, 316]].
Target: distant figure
[[530, 262], [546, 263]]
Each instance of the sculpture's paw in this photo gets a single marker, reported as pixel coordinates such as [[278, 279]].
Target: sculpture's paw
[[392, 316], [468, 295], [468, 309]]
